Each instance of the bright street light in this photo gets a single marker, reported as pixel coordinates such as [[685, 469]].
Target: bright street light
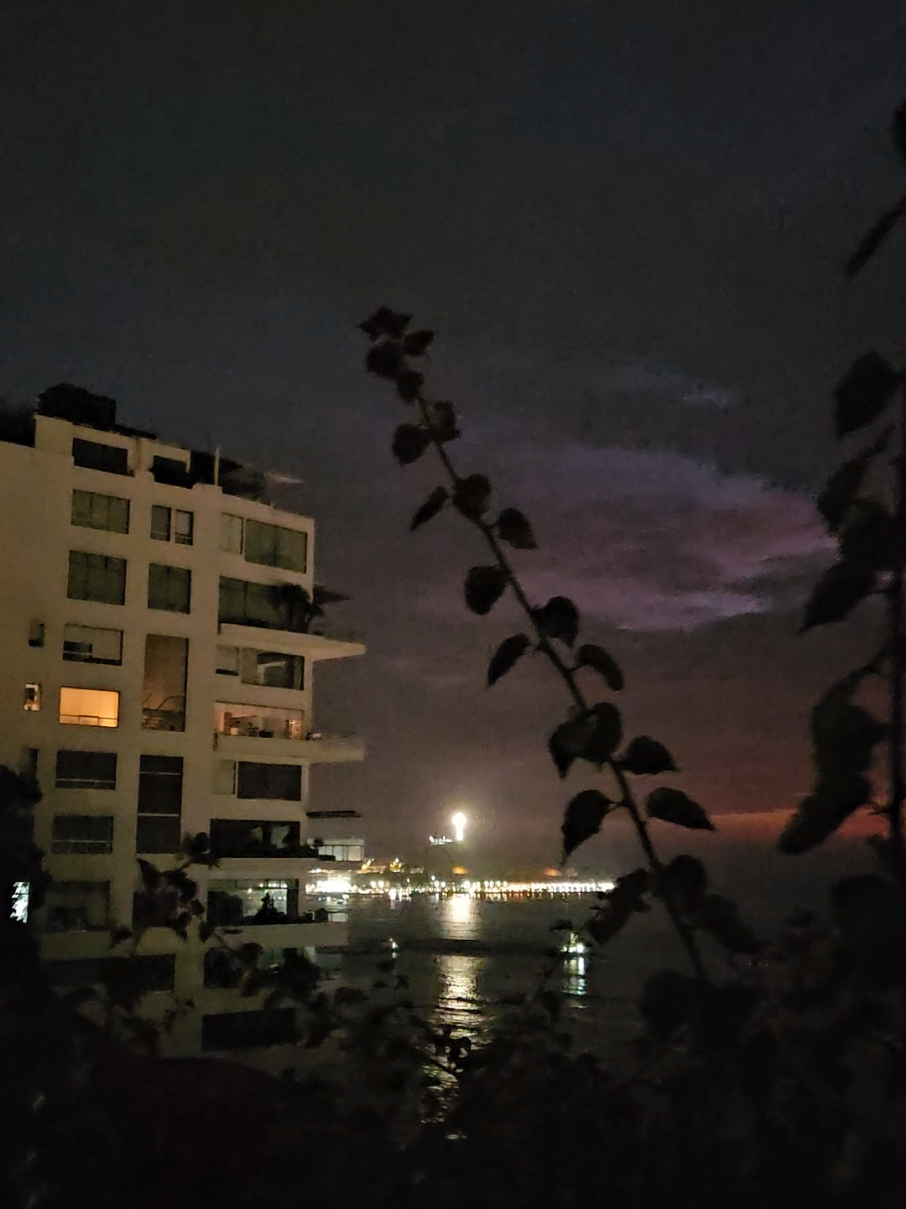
[[459, 826]]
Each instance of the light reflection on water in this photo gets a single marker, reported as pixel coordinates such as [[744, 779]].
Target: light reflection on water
[[459, 917]]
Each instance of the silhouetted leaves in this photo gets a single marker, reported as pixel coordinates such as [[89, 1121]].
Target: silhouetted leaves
[[385, 360], [409, 443], [472, 496], [590, 655], [506, 655], [864, 392], [416, 344], [871, 538], [683, 882], [385, 322], [559, 618], [430, 508], [442, 421], [719, 917], [625, 899], [119, 934], [819, 815], [873, 238], [836, 594], [592, 736], [674, 806], [843, 486], [646, 756], [844, 734], [150, 876], [409, 384], [483, 588], [514, 528], [582, 818]]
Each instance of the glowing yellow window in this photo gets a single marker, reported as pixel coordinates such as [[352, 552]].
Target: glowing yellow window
[[89, 707]]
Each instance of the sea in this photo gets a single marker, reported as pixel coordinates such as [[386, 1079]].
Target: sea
[[462, 955]]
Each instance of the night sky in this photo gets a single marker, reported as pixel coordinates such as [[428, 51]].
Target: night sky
[[625, 221]]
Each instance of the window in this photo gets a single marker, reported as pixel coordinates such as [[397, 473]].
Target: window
[[88, 834], [341, 850], [28, 764], [32, 700], [167, 523], [94, 511], [227, 661], [183, 527], [258, 721], [36, 633], [77, 907], [86, 770], [169, 588], [281, 782], [95, 456], [164, 682], [171, 470], [153, 973], [275, 670], [267, 545], [271, 606], [160, 523], [96, 577], [159, 804], [89, 707], [91, 644], [234, 903], [247, 1030]]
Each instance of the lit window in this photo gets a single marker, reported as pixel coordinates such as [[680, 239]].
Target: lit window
[[89, 707], [32, 697]]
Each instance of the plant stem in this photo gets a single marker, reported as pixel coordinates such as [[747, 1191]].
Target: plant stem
[[898, 650], [567, 674]]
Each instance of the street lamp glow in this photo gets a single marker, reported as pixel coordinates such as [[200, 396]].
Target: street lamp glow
[[459, 826]]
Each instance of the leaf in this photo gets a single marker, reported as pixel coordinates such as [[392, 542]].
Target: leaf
[[430, 508], [483, 588], [844, 734], [566, 743], [119, 934], [590, 655], [385, 322], [683, 882], [347, 995], [559, 618], [871, 538], [442, 420], [606, 925], [384, 360], [719, 917], [836, 594], [674, 806], [864, 392], [472, 496], [416, 344], [409, 443], [845, 483], [646, 757], [150, 876], [514, 528], [873, 238], [593, 736], [819, 815], [582, 818], [898, 129], [409, 384], [205, 930], [506, 655], [605, 733], [629, 891]]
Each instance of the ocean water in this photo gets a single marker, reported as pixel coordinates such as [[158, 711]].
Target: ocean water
[[462, 955]]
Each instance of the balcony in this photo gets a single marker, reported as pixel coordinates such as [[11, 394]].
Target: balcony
[[253, 839], [324, 642], [266, 732]]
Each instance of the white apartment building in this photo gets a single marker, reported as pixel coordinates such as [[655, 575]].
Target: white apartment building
[[158, 664]]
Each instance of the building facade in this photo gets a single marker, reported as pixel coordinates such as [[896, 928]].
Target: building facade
[[158, 652]]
